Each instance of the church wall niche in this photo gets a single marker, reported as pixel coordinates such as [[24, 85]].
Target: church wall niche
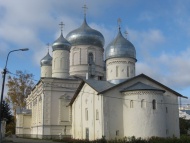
[[34, 111], [91, 52], [76, 58], [40, 110], [46, 108], [64, 110]]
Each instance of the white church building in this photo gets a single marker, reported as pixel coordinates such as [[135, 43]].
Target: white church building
[[84, 96]]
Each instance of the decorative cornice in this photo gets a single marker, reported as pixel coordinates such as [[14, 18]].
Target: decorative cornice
[[143, 92], [120, 62]]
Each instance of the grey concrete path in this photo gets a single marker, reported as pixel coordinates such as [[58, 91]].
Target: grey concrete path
[[22, 140]]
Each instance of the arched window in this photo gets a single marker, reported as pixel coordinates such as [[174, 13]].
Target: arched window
[[90, 58], [131, 104], [127, 71], [86, 114], [117, 68], [153, 104], [143, 103]]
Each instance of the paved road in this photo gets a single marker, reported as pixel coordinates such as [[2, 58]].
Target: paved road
[[22, 140]]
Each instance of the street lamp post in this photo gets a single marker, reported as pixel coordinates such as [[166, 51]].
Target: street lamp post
[[3, 85]]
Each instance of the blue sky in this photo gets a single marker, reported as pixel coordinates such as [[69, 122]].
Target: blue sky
[[159, 30]]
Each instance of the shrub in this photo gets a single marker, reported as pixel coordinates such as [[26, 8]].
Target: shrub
[[183, 139]]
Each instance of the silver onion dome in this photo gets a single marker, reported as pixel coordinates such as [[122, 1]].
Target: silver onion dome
[[61, 44], [120, 47], [85, 35], [47, 60]]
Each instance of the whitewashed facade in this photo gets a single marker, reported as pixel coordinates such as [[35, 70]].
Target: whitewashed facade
[[113, 113], [82, 96], [50, 115]]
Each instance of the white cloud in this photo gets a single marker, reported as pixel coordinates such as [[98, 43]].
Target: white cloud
[[26, 23], [170, 69], [148, 39], [32, 24], [142, 67], [179, 66]]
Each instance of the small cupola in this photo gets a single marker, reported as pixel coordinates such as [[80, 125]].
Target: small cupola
[[61, 43], [46, 65], [47, 60]]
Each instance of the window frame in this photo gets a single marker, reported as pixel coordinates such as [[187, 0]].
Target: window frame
[[86, 114], [90, 58], [154, 104], [131, 104], [143, 103]]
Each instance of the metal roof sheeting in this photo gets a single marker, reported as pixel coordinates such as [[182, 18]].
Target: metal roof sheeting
[[140, 86]]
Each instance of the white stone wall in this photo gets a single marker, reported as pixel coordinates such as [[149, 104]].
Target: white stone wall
[[87, 114], [172, 116], [60, 64], [79, 60], [113, 114], [50, 113], [120, 68], [23, 124], [140, 119], [46, 71], [19, 124], [170, 100]]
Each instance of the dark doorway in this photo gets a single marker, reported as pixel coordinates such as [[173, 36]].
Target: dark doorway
[[87, 133]]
